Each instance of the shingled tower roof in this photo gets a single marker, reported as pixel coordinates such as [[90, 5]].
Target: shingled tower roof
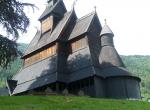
[[108, 55], [106, 30]]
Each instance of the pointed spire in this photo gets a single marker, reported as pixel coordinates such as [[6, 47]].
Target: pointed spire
[[54, 1], [95, 8], [105, 21], [54, 6], [108, 56], [74, 3], [106, 30], [106, 36]]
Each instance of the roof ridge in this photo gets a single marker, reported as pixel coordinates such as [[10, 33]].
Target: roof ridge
[[83, 17], [106, 30], [66, 14], [50, 9], [36, 34]]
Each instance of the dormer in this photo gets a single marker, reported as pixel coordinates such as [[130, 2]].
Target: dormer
[[53, 13]]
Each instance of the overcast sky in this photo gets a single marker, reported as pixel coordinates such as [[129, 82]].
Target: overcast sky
[[128, 19]]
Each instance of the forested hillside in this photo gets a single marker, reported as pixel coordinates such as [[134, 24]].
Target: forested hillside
[[138, 65], [15, 66]]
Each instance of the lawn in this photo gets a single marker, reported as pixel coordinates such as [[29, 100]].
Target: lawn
[[68, 103]]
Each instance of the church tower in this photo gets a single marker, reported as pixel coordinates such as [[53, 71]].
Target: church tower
[[119, 83], [53, 13], [108, 55]]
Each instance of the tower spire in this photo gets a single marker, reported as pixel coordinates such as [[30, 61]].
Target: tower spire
[[106, 30], [74, 3], [95, 8], [55, 7], [108, 56], [105, 21], [54, 1]]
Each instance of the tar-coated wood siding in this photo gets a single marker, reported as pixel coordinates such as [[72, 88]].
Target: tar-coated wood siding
[[41, 55], [47, 24], [78, 44]]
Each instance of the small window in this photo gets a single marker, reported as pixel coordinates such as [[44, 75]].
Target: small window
[[41, 55], [81, 43], [46, 24]]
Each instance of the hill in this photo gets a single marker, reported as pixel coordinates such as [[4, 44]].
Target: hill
[[68, 103], [15, 66], [138, 65]]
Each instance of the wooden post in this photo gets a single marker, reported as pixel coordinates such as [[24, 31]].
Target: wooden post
[[57, 87]]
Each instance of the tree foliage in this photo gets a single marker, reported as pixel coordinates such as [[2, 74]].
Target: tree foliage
[[8, 51], [11, 70], [140, 66], [14, 21]]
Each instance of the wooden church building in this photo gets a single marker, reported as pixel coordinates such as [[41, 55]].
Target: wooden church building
[[75, 56]]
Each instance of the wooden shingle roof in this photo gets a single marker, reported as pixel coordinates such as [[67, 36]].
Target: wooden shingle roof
[[82, 25], [40, 41], [58, 7]]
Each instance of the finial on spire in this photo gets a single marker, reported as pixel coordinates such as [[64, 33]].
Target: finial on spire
[[74, 3], [95, 8], [105, 21], [54, 1]]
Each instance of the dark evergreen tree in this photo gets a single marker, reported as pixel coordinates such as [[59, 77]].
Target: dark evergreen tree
[[14, 21]]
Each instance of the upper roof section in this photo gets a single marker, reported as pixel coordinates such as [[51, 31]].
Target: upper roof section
[[82, 25], [40, 40], [54, 7], [106, 30]]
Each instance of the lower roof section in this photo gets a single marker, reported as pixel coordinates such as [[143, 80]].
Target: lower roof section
[[82, 74], [73, 76], [36, 70], [39, 82], [115, 72]]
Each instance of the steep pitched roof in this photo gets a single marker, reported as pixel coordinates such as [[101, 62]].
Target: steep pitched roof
[[35, 83], [36, 75], [40, 41], [33, 43], [58, 7], [109, 57], [36, 70], [115, 71], [106, 30], [82, 25]]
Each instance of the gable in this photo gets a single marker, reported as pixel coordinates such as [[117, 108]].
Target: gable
[[32, 45], [58, 8], [40, 41], [82, 25]]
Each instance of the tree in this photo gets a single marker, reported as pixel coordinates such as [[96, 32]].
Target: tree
[[15, 22]]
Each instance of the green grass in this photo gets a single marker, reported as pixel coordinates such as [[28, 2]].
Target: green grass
[[68, 103]]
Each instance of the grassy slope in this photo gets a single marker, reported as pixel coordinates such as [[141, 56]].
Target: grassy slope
[[68, 103]]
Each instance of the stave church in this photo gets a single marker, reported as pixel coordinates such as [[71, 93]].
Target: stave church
[[71, 55]]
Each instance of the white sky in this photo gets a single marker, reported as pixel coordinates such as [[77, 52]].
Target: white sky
[[128, 19]]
